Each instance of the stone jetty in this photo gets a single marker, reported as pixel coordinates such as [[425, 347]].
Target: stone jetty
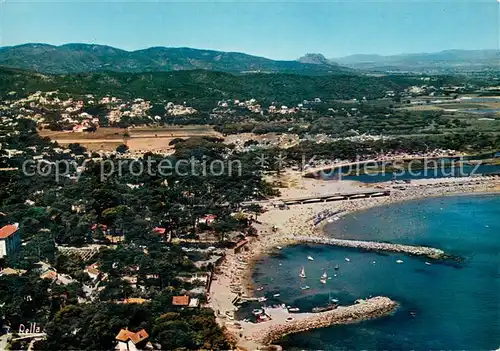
[[364, 309], [429, 252]]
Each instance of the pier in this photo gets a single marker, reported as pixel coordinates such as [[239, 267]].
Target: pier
[[429, 252], [361, 194], [283, 323]]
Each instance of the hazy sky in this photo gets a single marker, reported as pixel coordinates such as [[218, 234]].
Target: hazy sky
[[279, 29]]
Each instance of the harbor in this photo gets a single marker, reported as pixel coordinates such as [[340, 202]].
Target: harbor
[[279, 227], [283, 323]]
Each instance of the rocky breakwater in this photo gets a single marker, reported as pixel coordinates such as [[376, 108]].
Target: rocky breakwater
[[429, 252], [374, 307]]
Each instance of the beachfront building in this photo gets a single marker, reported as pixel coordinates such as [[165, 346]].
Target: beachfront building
[[10, 240]]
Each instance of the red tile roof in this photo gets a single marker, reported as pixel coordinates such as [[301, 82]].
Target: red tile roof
[[180, 300], [159, 230], [241, 243], [125, 334], [8, 230]]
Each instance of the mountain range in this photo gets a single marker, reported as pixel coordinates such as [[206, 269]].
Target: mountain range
[[451, 60], [77, 58]]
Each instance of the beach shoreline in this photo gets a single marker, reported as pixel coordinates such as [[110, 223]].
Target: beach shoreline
[[277, 228]]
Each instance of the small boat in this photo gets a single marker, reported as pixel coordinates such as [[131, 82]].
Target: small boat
[[428, 263], [347, 259], [302, 273], [276, 295], [310, 258], [336, 267], [260, 289], [324, 277], [399, 261], [279, 247], [294, 309], [261, 299], [329, 307], [305, 287], [257, 311]]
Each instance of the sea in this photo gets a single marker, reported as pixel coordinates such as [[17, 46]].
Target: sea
[[440, 172], [450, 305]]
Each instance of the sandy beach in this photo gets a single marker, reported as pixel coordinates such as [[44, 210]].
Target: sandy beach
[[277, 227]]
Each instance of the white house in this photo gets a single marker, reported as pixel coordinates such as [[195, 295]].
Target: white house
[[10, 241]]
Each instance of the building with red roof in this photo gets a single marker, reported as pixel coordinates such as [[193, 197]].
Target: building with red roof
[[130, 341], [180, 300], [10, 241]]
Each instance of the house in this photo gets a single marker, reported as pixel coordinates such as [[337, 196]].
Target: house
[[136, 300], [159, 230], [181, 301], [240, 245], [130, 341], [12, 271], [92, 271], [10, 240], [194, 302], [80, 128]]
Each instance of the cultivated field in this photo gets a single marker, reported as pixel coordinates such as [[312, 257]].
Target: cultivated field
[[139, 139]]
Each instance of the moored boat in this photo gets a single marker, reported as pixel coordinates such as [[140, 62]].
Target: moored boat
[[302, 273], [324, 277]]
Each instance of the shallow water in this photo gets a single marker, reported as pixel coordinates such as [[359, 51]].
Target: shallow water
[[452, 305]]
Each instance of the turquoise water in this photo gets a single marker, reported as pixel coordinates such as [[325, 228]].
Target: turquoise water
[[452, 305]]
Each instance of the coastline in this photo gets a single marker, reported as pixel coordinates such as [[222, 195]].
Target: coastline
[[278, 227]]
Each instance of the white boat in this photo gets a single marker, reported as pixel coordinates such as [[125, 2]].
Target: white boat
[[428, 263], [257, 311], [294, 309], [261, 299], [302, 273], [335, 300], [305, 287], [399, 261], [324, 277], [260, 289], [276, 295], [347, 259], [310, 258], [279, 247]]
